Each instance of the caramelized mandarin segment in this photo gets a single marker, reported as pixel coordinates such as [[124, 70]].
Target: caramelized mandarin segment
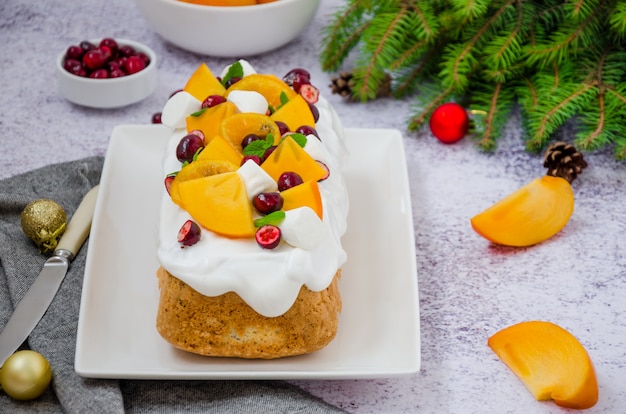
[[237, 126], [270, 86], [198, 169], [549, 361]]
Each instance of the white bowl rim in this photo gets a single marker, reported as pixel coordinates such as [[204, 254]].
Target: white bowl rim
[[128, 78], [232, 9]]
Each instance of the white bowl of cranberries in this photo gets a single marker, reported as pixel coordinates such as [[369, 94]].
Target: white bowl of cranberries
[[228, 31], [106, 73]]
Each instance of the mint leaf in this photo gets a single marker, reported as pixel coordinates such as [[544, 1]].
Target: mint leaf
[[274, 218], [198, 113], [259, 147], [234, 71], [299, 138]]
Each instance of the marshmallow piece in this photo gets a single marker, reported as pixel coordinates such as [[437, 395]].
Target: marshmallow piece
[[256, 179], [245, 65], [302, 228], [316, 149], [177, 108], [248, 101]]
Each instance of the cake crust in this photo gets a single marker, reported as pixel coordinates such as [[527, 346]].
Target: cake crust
[[226, 326]]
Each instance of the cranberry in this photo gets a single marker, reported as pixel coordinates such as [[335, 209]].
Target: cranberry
[[189, 234], [168, 182], [282, 127], [249, 139], [156, 118], [134, 64], [106, 51], [94, 59], [127, 51], [87, 45], [175, 92], [307, 130], [74, 52], [266, 203], [268, 152], [254, 158], [213, 100], [188, 146], [298, 75], [287, 180], [69, 64], [325, 167], [310, 93], [143, 57], [111, 44], [117, 73], [230, 82], [314, 111], [99, 74], [198, 133], [121, 61], [268, 236]]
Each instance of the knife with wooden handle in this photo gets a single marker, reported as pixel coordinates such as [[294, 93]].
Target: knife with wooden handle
[[39, 296]]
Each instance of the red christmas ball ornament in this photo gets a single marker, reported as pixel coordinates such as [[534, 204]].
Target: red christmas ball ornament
[[449, 122]]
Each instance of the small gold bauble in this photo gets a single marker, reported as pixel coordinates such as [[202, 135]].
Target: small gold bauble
[[25, 375], [43, 221]]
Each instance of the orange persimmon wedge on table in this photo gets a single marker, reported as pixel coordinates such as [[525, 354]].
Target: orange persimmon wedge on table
[[549, 361], [529, 215]]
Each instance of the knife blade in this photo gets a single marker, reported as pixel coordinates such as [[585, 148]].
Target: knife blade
[[37, 299]]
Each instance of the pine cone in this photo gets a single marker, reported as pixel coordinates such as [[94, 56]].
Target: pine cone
[[563, 160], [343, 84]]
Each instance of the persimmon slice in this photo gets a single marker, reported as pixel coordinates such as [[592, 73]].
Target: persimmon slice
[[203, 83], [549, 361], [529, 215], [295, 113], [219, 203]]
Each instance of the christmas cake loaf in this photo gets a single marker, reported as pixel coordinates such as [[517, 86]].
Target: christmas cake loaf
[[253, 210]]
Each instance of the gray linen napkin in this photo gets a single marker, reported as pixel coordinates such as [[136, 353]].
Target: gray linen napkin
[[55, 335]]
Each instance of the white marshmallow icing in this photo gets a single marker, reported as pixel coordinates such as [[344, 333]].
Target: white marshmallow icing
[[267, 280]]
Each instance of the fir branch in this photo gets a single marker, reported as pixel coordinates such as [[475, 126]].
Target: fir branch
[[384, 40], [617, 20], [565, 41], [343, 34], [460, 61]]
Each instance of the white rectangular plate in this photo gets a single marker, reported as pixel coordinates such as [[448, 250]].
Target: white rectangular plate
[[378, 335]]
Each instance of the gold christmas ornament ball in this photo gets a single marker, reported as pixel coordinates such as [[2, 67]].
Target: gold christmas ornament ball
[[43, 221], [25, 375]]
